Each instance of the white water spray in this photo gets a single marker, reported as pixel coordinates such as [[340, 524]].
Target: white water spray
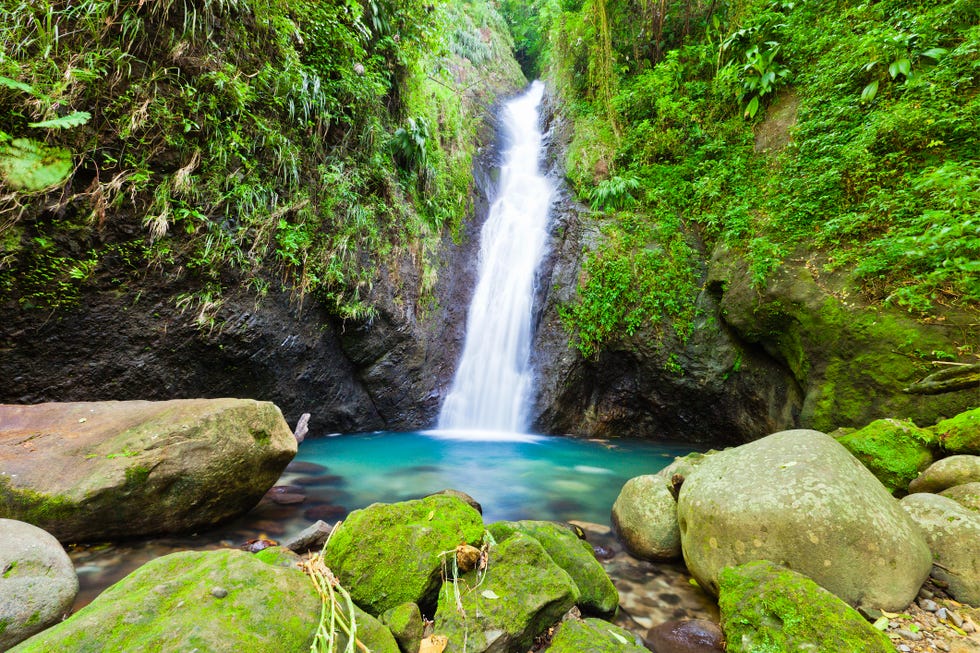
[[492, 385]]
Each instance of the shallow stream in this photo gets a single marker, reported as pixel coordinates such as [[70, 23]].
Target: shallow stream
[[513, 477]]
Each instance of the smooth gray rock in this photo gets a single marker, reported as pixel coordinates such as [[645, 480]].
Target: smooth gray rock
[[967, 495], [799, 499], [644, 517], [37, 581], [947, 473], [953, 534], [312, 537]]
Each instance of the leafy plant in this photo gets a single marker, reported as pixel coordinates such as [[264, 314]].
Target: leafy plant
[[614, 193]]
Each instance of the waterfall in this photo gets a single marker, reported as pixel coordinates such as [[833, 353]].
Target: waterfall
[[492, 384]]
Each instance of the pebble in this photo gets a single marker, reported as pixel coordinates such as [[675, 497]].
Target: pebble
[[219, 592], [942, 646], [908, 634], [942, 613], [926, 594], [957, 619], [928, 605], [968, 627], [904, 648]]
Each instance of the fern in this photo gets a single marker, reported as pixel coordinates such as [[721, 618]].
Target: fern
[[17, 86], [71, 120]]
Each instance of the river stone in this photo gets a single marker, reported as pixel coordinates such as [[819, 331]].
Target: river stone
[[644, 517], [967, 495], [800, 499], [594, 636], [168, 605], [953, 533], [766, 607], [406, 624], [960, 434], [102, 470], [522, 593], [597, 594], [895, 451], [947, 473], [389, 554], [37, 581], [687, 636]]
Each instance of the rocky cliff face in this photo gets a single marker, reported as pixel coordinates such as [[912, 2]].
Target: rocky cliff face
[[130, 341], [800, 351]]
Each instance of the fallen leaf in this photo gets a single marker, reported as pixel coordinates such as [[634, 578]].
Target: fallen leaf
[[434, 644], [432, 513], [490, 594], [618, 637]]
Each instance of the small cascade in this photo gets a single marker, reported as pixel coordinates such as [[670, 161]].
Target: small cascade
[[492, 384]]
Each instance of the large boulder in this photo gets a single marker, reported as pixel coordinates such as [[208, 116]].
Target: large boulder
[[389, 554], [947, 473], [895, 451], [597, 594], [800, 499], [960, 434], [644, 517], [967, 495], [37, 581], [594, 636], [205, 601], [953, 533], [92, 471], [522, 593], [766, 607]]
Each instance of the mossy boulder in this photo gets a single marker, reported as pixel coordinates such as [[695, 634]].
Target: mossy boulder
[[967, 495], [406, 624], [946, 473], [895, 451], [766, 608], [953, 534], [644, 517], [37, 581], [389, 554], [113, 469], [594, 636], [800, 499], [522, 593], [206, 601], [597, 594], [960, 434]]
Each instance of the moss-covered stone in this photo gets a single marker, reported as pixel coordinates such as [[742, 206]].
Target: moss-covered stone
[[766, 608], [171, 604], [406, 624], [960, 434], [279, 556], [894, 451], [522, 593], [388, 554], [597, 594], [594, 636]]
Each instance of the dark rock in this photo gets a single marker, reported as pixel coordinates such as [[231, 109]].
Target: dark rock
[[325, 479], [690, 636], [325, 512], [287, 499], [285, 489], [311, 538], [256, 545], [305, 467]]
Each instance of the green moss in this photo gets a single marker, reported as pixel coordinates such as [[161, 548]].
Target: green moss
[[766, 608], [388, 554], [960, 434], [4, 622], [594, 636], [278, 556], [36, 508], [406, 624], [598, 595], [895, 452], [136, 476]]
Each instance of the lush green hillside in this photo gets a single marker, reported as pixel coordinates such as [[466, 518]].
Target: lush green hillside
[[845, 128], [234, 142]]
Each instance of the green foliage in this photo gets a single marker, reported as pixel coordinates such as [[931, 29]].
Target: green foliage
[[237, 141], [876, 166]]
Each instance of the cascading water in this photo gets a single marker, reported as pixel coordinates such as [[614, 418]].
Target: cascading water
[[493, 382]]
